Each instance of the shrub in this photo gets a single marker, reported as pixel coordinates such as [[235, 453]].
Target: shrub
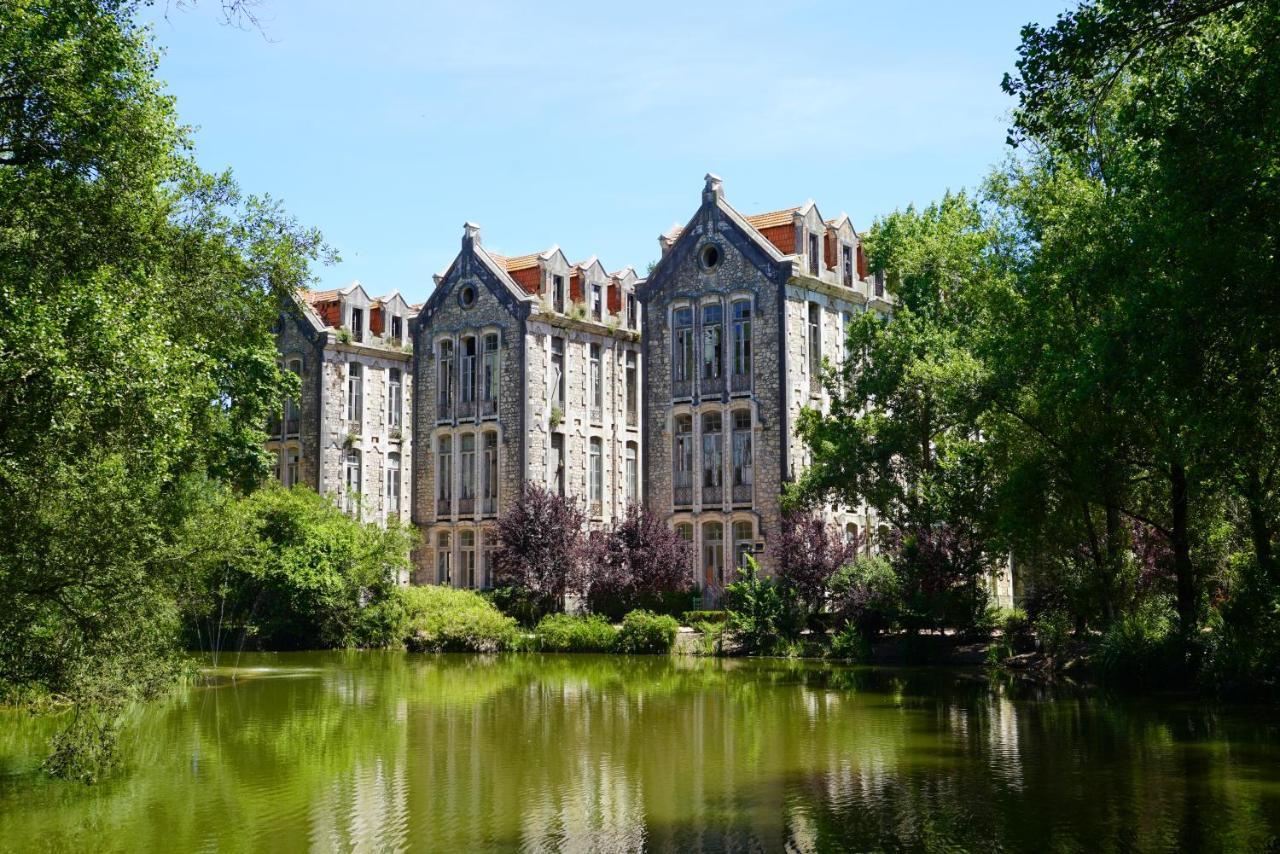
[[711, 641], [689, 618], [644, 632], [807, 552], [758, 614], [941, 570], [866, 593], [850, 644], [1053, 632], [445, 619], [1242, 650], [1140, 648], [640, 563], [572, 633], [540, 548]]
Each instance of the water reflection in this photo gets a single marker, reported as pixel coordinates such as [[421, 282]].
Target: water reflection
[[381, 751]]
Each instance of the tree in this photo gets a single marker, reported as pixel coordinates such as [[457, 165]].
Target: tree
[[636, 564], [136, 306], [807, 552], [541, 547]]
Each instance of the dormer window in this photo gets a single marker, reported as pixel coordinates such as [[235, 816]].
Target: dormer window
[[357, 324], [557, 293], [633, 312], [397, 329], [846, 258], [813, 253], [597, 302]]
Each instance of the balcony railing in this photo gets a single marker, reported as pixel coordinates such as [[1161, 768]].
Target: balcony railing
[[291, 426], [713, 494], [739, 383], [444, 506], [489, 506], [488, 409], [682, 388], [682, 488], [712, 385], [273, 427], [815, 383], [742, 493], [444, 410], [466, 506], [595, 508]]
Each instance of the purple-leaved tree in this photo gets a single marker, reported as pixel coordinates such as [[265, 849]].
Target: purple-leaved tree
[[806, 553], [541, 547], [636, 563]]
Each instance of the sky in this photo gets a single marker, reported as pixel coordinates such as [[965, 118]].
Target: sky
[[389, 123]]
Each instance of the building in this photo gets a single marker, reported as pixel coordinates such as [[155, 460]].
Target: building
[[348, 435], [525, 369], [740, 314]]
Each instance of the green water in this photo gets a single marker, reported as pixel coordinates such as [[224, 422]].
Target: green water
[[388, 751]]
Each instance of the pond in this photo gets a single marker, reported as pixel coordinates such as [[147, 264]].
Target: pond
[[392, 751]]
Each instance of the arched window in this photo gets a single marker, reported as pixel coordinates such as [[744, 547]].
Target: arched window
[[741, 345], [444, 477], [393, 485], [712, 347], [682, 462], [596, 474], [851, 534], [712, 459], [467, 474], [444, 558], [744, 535], [682, 358], [467, 550], [467, 378], [743, 471], [292, 460], [489, 376], [633, 473], [351, 480], [489, 474], [355, 393], [291, 404], [395, 398], [685, 532], [444, 381], [713, 554]]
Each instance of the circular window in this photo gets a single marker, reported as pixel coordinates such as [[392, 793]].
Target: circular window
[[709, 256], [467, 296]]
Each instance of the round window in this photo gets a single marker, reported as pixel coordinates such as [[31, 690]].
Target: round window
[[709, 256], [467, 296]]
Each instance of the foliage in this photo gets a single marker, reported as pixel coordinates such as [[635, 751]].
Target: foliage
[[850, 644], [136, 353], [941, 573], [541, 548], [689, 618], [446, 619], [1140, 649], [1053, 632], [646, 633], [640, 562], [573, 633], [807, 552], [866, 594], [286, 569], [759, 613], [710, 636]]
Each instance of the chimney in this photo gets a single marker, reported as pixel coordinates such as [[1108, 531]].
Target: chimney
[[714, 188], [470, 234]]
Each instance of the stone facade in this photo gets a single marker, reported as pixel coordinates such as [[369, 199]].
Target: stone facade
[[348, 436], [727, 346], [521, 374]]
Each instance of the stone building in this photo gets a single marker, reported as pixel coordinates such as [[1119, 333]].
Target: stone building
[[739, 315], [349, 434], [525, 368]]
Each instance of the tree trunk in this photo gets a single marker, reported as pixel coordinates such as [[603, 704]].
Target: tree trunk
[[1260, 528], [1181, 542]]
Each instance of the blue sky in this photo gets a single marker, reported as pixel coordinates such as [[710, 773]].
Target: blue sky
[[389, 124]]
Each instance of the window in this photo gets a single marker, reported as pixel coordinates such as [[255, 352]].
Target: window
[[467, 296], [713, 554], [597, 474], [633, 312], [355, 393], [633, 474], [351, 480], [709, 257], [743, 543], [357, 324], [682, 364], [879, 283], [845, 320], [490, 474], [489, 376], [846, 259], [444, 380], [467, 552], [444, 558], [291, 458], [685, 532], [742, 345], [597, 302], [597, 385], [467, 474], [851, 534], [397, 329], [487, 561], [815, 346], [631, 387], [444, 476], [712, 459], [393, 484], [290, 403], [742, 470], [395, 397], [813, 252], [557, 292], [682, 461], [467, 380], [712, 344], [557, 461], [557, 370]]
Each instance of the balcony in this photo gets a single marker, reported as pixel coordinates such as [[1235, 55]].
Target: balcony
[[273, 427], [815, 383], [682, 489], [466, 409], [740, 383], [742, 493], [444, 507], [681, 388], [488, 409], [712, 494], [444, 410], [596, 509], [712, 386], [291, 426], [466, 506]]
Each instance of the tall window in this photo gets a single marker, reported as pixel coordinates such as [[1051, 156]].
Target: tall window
[[713, 554], [712, 459], [597, 302], [597, 385], [633, 474], [712, 345], [879, 283], [290, 403], [468, 364], [397, 329], [682, 461], [444, 380], [743, 537], [444, 558], [393, 484], [557, 370], [355, 393], [490, 474], [846, 261], [357, 324], [682, 364], [813, 252], [444, 476], [467, 474], [489, 376], [291, 457], [633, 312], [486, 565], [597, 475], [395, 397], [632, 392], [557, 290], [467, 553], [742, 471], [742, 345], [557, 462], [815, 347], [685, 532], [351, 480]]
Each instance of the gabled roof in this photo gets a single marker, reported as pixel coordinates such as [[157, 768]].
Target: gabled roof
[[773, 218]]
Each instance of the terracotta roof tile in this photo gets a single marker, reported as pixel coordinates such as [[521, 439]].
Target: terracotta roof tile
[[321, 296], [523, 262], [772, 219]]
